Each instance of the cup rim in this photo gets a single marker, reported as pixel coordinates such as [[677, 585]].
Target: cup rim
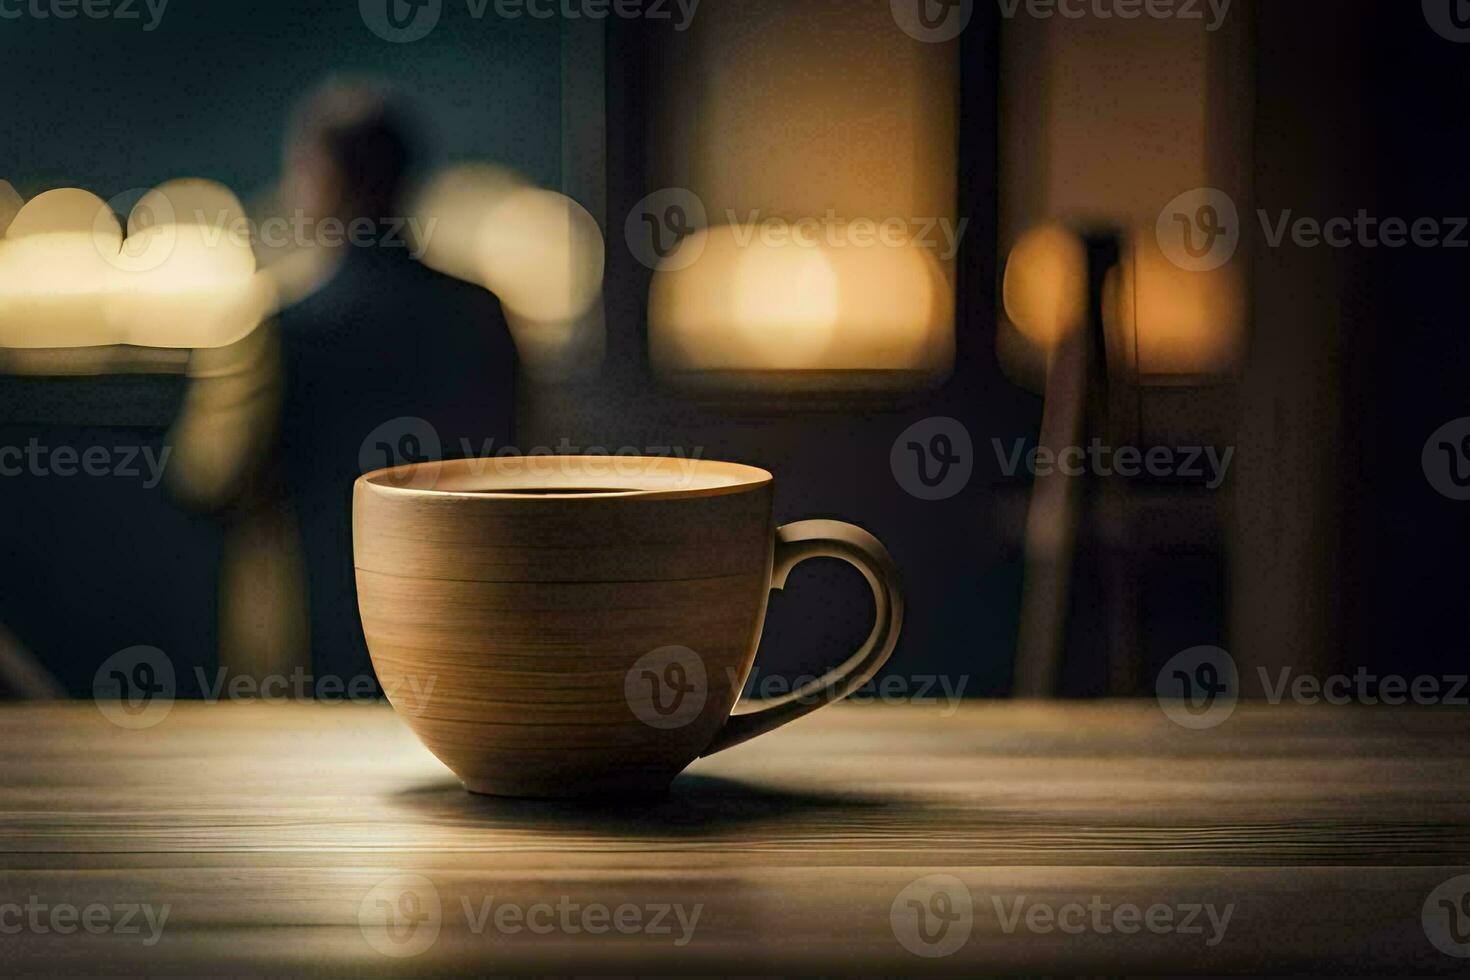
[[666, 477]]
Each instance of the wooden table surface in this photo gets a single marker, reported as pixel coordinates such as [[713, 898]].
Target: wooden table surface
[[322, 839]]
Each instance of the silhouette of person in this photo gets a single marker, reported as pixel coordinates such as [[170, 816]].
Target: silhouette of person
[[384, 343]]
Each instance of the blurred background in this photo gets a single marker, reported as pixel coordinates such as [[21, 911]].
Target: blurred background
[[1092, 237]]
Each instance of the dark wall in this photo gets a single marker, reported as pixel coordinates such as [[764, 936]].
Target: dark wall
[[1406, 365], [106, 105], [1363, 349]]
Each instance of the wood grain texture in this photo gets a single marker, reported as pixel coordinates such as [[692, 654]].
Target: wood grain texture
[[266, 828]]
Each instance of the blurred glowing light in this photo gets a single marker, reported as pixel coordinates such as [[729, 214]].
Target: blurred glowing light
[[749, 302], [539, 251], [542, 254], [183, 277], [1186, 323], [186, 273], [455, 203], [1045, 285], [54, 271]]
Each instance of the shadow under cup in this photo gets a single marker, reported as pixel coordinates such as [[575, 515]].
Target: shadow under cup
[[564, 626]]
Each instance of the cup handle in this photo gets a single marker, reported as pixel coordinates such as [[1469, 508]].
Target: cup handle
[[795, 543]]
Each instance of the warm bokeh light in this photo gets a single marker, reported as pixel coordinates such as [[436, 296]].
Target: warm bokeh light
[[184, 277], [759, 115], [749, 303], [783, 302], [1094, 140], [542, 254], [186, 273], [539, 251], [54, 271], [1045, 285], [456, 202], [1185, 323], [1162, 320]]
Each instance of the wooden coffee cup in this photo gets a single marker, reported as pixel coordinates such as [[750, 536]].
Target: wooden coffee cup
[[583, 625]]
